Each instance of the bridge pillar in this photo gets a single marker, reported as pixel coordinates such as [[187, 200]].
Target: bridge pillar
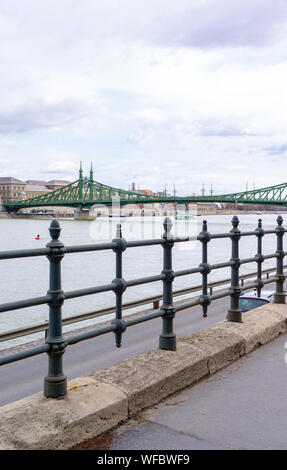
[[84, 214]]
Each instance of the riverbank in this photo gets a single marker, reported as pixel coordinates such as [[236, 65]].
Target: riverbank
[[5, 215], [36, 216]]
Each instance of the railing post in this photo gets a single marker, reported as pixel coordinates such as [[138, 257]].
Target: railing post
[[234, 313], [167, 339], [280, 297], [205, 238], [55, 383], [260, 258], [120, 286]]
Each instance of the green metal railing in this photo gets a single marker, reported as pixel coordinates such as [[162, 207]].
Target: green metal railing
[[55, 382]]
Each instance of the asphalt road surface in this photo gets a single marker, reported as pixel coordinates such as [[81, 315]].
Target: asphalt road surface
[[240, 407]]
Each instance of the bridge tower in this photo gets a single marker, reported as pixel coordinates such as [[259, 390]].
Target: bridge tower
[[91, 184], [81, 183]]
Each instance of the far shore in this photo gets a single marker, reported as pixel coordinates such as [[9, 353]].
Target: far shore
[[5, 215]]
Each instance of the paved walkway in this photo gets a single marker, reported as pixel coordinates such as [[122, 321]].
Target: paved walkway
[[241, 407]]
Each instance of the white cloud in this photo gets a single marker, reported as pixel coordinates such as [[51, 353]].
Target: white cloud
[[137, 86]]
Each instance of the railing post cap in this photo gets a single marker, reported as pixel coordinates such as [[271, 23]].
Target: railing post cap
[[55, 229], [119, 241], [167, 224], [279, 220], [259, 230], [235, 221]]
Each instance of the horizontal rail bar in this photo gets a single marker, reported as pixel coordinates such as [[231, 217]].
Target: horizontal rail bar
[[89, 291], [250, 286], [90, 334], [269, 232], [145, 280], [274, 255], [185, 272], [213, 236], [249, 260], [24, 253], [136, 243], [12, 334], [188, 238], [24, 354], [247, 234], [270, 280], [148, 316], [220, 295], [255, 284], [186, 305], [221, 265], [92, 247], [111, 245], [24, 303], [109, 287]]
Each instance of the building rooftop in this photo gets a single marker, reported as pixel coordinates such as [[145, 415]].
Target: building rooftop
[[36, 182], [58, 182], [36, 187], [10, 180]]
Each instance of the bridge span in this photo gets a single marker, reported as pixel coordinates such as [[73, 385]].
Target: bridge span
[[85, 192]]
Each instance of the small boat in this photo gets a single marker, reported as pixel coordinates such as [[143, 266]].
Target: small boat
[[184, 216]]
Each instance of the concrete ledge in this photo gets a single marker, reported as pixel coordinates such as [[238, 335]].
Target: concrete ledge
[[151, 376], [103, 399], [219, 345], [36, 422]]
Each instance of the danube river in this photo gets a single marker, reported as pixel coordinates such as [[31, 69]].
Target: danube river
[[29, 277]]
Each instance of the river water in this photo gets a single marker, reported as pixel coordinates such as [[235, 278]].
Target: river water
[[29, 277]]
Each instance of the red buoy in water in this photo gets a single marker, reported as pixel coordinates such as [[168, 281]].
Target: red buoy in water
[[38, 237]]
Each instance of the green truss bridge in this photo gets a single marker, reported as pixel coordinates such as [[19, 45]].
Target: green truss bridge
[[86, 192]]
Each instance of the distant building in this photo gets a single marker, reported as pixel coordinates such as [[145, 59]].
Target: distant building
[[33, 190], [11, 189], [38, 187], [36, 182], [162, 194], [147, 192]]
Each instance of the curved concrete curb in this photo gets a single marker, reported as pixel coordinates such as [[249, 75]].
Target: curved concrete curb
[[36, 422], [102, 400]]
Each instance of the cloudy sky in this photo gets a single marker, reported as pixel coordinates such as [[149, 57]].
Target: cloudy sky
[[154, 92]]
